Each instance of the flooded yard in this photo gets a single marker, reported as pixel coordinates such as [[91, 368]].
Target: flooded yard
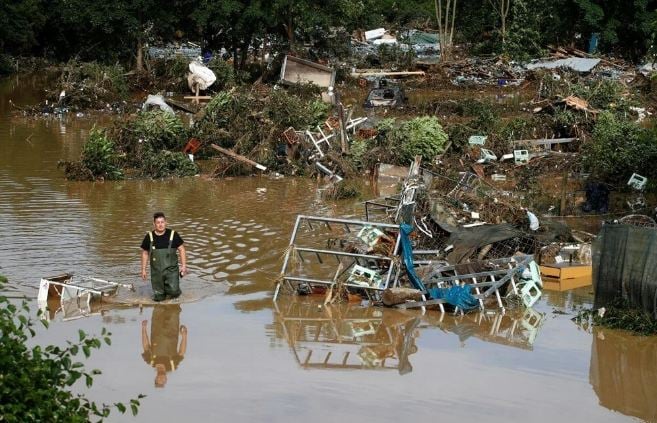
[[231, 354]]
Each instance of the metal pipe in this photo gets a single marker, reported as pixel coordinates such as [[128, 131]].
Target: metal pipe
[[341, 253], [287, 255], [348, 221]]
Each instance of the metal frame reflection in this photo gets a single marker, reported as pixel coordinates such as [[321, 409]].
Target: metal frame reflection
[[347, 336], [518, 329]]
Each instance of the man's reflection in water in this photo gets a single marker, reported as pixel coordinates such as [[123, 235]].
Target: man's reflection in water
[[162, 350]]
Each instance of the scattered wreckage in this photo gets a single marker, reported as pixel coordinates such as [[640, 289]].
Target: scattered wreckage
[[383, 262], [74, 294]]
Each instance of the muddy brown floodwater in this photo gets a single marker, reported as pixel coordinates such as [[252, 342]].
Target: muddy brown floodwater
[[231, 354]]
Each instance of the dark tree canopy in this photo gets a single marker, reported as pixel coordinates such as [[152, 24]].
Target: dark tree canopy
[[117, 30]]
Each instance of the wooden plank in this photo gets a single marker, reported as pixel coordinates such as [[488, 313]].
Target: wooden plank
[[410, 73], [238, 157], [546, 141], [189, 108]]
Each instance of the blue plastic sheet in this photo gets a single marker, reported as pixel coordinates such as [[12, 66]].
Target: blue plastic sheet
[[458, 296], [407, 254]]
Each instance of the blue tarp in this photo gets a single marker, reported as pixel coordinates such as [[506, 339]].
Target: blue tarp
[[458, 296], [407, 254]]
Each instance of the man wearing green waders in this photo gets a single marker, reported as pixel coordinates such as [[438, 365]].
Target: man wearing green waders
[[159, 247]]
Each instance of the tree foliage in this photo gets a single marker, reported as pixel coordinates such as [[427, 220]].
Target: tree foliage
[[36, 383], [620, 147], [117, 30]]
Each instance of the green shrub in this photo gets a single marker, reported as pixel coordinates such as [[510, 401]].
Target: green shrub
[[160, 130], [400, 143], [601, 94], [620, 314], [357, 151], [167, 163], [422, 136], [100, 157], [224, 72], [619, 148], [36, 383], [484, 114], [218, 109]]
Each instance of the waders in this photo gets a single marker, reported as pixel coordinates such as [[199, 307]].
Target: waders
[[165, 277]]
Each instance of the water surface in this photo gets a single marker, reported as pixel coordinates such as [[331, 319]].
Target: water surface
[[234, 355]]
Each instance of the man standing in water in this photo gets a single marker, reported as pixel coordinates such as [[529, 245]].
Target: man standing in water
[[160, 246]]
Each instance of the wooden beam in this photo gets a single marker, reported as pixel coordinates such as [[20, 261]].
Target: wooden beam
[[189, 108], [546, 141], [238, 157], [356, 74]]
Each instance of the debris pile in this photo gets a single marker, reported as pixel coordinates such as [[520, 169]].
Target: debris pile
[[462, 266]]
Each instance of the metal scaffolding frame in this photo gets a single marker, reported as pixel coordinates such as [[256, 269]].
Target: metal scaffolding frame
[[485, 283], [293, 281]]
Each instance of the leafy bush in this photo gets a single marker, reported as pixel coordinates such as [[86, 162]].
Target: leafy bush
[[36, 383], [224, 73], [399, 144], [288, 110], [167, 163], [620, 314], [160, 130], [99, 156], [601, 94], [91, 84], [484, 114], [357, 151], [619, 148], [218, 109], [422, 136]]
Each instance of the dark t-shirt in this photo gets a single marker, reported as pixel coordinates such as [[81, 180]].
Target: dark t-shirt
[[162, 241]]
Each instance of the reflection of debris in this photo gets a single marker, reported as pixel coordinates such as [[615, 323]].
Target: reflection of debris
[[622, 372], [514, 329], [346, 336]]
